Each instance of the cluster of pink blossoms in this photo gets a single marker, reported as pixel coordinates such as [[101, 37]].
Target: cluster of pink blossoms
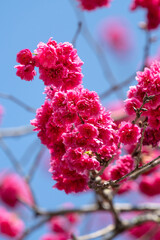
[[10, 225], [93, 4], [148, 85], [153, 11], [72, 123], [58, 64], [78, 131]]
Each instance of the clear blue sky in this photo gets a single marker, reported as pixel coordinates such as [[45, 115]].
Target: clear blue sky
[[23, 24]]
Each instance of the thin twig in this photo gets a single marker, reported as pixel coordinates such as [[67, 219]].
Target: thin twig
[[18, 102], [146, 48], [33, 228], [77, 34], [16, 131], [29, 151], [35, 164], [11, 157], [117, 87], [97, 49], [136, 172], [110, 231]]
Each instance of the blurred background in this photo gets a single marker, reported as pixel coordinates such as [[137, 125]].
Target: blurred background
[[23, 24]]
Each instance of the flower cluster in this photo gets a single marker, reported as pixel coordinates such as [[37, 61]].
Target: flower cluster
[[78, 131], [92, 5], [58, 64], [72, 123], [10, 225], [147, 93], [153, 11], [26, 70]]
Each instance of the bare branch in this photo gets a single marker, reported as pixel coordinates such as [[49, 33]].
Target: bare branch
[[16, 131], [77, 34], [110, 231], [11, 157], [35, 164], [18, 102], [117, 87]]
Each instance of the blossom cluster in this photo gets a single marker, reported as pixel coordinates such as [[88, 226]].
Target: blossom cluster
[[72, 123], [148, 87], [92, 5], [153, 11], [58, 64], [78, 131]]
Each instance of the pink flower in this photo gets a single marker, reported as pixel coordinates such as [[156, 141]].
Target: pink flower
[[10, 224], [80, 161], [118, 171], [106, 152], [25, 72], [24, 57], [124, 166], [88, 104], [71, 181], [53, 75], [47, 55], [129, 133], [131, 104], [88, 130]]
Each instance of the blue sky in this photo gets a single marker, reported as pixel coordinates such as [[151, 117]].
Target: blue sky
[[24, 24]]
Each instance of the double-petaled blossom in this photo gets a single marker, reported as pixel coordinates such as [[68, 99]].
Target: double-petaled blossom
[[129, 133]]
